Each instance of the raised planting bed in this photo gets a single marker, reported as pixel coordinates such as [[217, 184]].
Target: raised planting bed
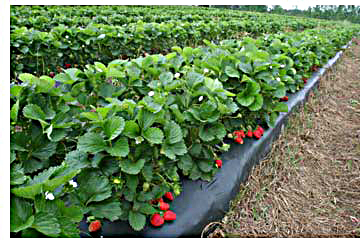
[[203, 202]]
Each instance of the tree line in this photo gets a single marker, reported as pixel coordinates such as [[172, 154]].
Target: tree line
[[332, 12]]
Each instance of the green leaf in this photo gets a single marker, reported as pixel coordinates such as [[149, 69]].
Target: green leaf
[[178, 115], [12, 156], [90, 115], [57, 135], [137, 220], [110, 210], [195, 173], [131, 129], [173, 132], [171, 150], [185, 163], [47, 224], [213, 84], [68, 229], [147, 209], [35, 186], [145, 118], [207, 133], [45, 151], [132, 181], [131, 167], [147, 172], [27, 77], [60, 177], [16, 90], [280, 91], [133, 71], [205, 165], [14, 111], [259, 100], [34, 112], [245, 67], [232, 72], [245, 100], [193, 79], [93, 187], [166, 78], [270, 120], [252, 88], [154, 135], [91, 142], [120, 148], [21, 214], [17, 176], [114, 126], [281, 107]]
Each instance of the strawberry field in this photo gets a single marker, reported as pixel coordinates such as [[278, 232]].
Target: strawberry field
[[112, 109]]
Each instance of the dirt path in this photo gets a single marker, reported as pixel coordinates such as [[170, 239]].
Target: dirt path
[[309, 185]]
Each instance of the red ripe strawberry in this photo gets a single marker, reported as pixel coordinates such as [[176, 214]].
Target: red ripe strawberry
[[169, 196], [239, 140], [242, 133], [52, 74], [164, 206], [218, 163], [261, 130], [305, 80], [249, 134], [169, 215], [94, 226], [257, 134], [285, 98], [67, 65], [157, 220]]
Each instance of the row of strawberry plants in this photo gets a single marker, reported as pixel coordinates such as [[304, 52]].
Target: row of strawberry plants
[[45, 19], [110, 140], [40, 51], [36, 50]]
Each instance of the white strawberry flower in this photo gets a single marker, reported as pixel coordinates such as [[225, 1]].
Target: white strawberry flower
[[201, 98], [206, 70], [73, 183], [151, 93], [270, 67], [49, 196], [282, 65], [138, 140], [278, 79], [67, 37], [177, 75]]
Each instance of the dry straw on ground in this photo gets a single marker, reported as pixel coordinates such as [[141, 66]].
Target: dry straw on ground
[[309, 185]]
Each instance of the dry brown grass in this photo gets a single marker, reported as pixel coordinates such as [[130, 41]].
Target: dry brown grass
[[309, 185]]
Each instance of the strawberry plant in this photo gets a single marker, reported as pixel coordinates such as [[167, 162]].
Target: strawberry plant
[[111, 141]]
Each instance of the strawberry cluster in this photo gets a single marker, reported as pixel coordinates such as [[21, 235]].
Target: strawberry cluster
[[158, 219], [240, 134]]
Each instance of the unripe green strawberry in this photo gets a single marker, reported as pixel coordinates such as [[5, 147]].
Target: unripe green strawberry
[[146, 187]]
